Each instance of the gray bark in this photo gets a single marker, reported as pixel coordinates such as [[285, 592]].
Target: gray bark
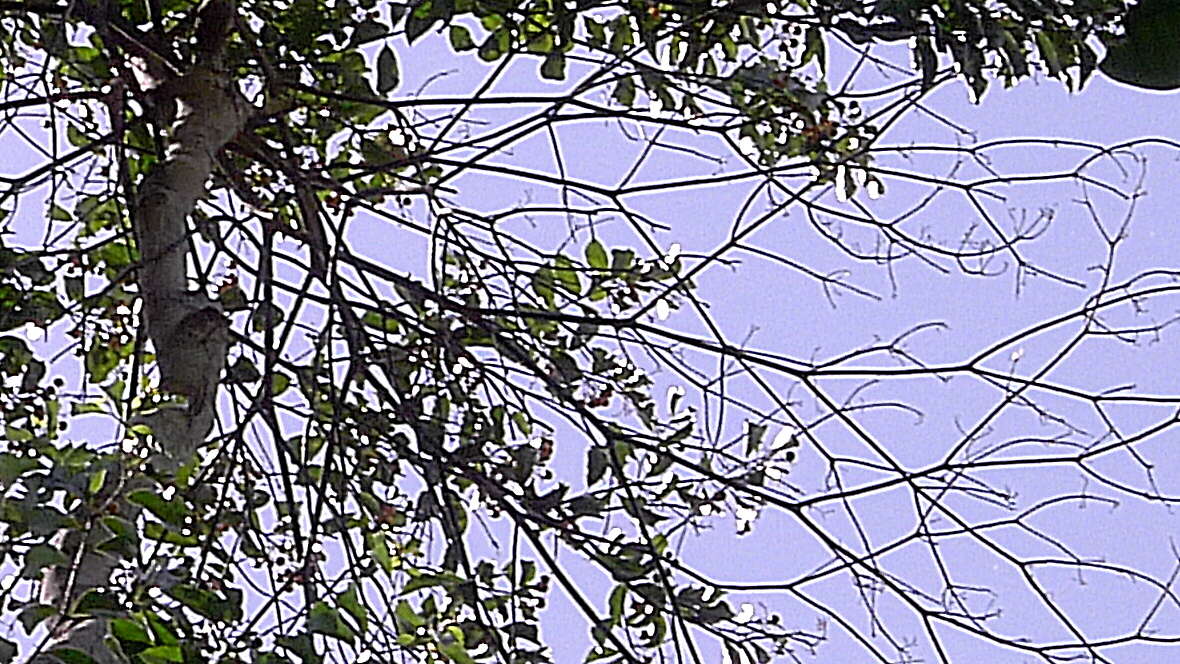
[[188, 332]]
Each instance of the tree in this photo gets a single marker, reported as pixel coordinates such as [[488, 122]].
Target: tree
[[295, 447], [1146, 56]]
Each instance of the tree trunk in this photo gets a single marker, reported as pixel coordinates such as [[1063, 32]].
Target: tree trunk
[[187, 329]]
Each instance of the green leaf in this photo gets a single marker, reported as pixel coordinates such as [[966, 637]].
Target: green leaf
[[367, 31], [543, 280], [17, 434], [388, 75], [1016, 54], [233, 298], [625, 91], [265, 316], [206, 603], [553, 68], [381, 321], [43, 519], [125, 542], [100, 602], [97, 479], [1087, 62], [754, 435], [33, 615], [1048, 52], [59, 213], [38, 558], [154, 530], [460, 38], [567, 275], [622, 35], [523, 630], [302, 645], [75, 136], [597, 462], [492, 22], [75, 288], [1149, 54], [12, 467], [596, 255], [540, 43], [379, 549], [715, 613], [172, 512], [596, 31], [429, 581], [586, 505], [451, 645], [489, 50], [161, 654], [34, 306], [815, 49], [349, 600], [34, 372], [420, 20], [242, 371], [120, 527], [621, 260], [164, 632], [279, 383], [617, 597], [567, 368], [72, 656], [623, 451], [323, 619], [926, 60], [100, 360], [87, 407], [408, 620]]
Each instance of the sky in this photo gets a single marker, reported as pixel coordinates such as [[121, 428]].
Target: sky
[[763, 304]]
